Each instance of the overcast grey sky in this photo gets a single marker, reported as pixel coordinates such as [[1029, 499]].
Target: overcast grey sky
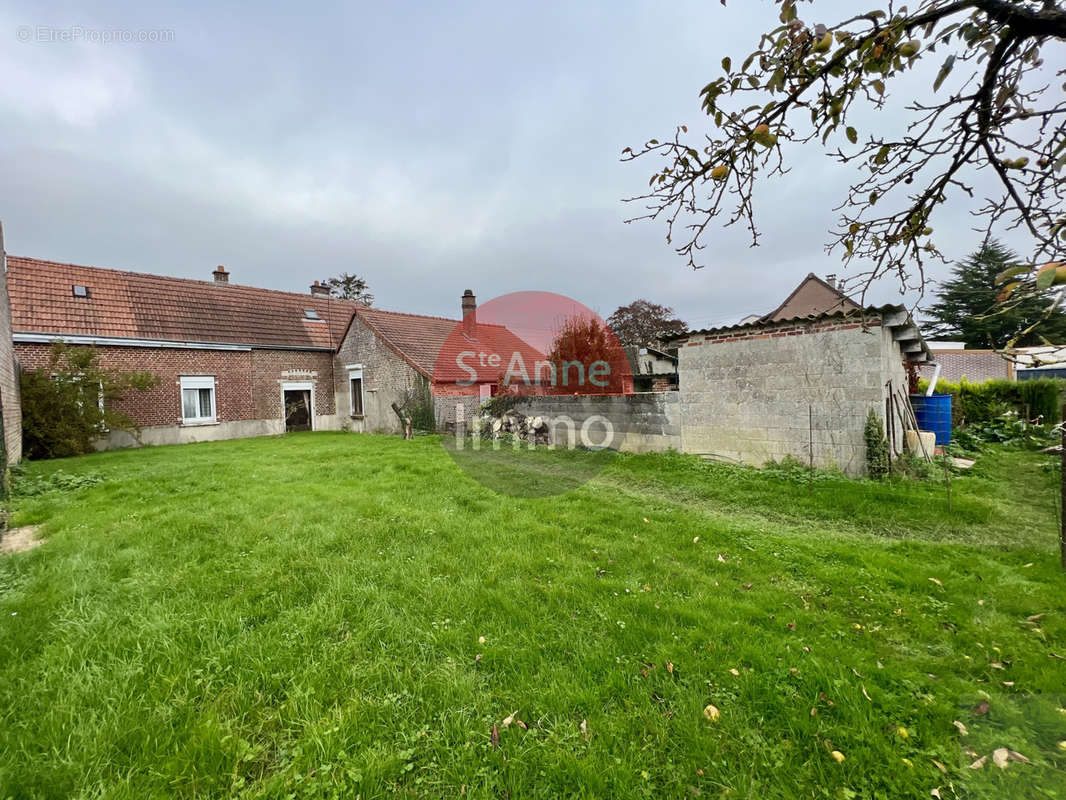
[[429, 147]]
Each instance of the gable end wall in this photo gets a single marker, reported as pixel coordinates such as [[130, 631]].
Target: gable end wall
[[747, 394]]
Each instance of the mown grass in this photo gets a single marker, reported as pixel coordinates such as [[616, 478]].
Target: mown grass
[[302, 617]]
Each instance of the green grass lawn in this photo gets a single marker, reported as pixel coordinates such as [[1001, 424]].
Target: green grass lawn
[[333, 615]]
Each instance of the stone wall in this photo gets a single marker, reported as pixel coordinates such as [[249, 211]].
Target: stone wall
[[9, 382], [387, 379], [754, 394], [644, 422]]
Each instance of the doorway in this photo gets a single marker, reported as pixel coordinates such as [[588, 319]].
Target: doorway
[[298, 403]]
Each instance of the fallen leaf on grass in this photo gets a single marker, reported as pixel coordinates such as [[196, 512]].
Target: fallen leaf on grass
[[495, 738], [711, 713], [814, 712], [981, 708], [837, 756], [1026, 566], [1036, 617], [938, 583], [478, 657], [695, 539], [867, 696], [979, 762], [734, 671], [996, 665], [584, 728], [939, 766], [791, 626], [646, 519], [721, 559], [1001, 757], [961, 727], [935, 793], [670, 667], [508, 719]]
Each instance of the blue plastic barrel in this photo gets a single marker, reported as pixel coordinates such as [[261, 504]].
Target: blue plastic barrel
[[934, 414]]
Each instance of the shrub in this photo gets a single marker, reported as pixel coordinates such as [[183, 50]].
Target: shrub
[[69, 404], [877, 455], [974, 403]]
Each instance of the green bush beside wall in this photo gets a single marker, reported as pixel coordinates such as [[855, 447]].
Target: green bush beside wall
[[989, 400]]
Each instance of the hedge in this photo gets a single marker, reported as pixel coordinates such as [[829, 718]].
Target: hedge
[[988, 400]]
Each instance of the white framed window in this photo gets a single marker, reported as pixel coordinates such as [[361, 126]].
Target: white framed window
[[198, 400], [355, 390]]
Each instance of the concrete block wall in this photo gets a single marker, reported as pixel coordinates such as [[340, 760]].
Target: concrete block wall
[[387, 378], [643, 422], [754, 394]]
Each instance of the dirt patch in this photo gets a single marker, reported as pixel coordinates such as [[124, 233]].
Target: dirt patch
[[19, 540]]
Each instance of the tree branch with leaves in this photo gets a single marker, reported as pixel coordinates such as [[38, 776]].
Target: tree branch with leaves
[[990, 110]]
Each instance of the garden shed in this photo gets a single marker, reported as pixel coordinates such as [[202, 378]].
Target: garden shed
[[798, 386]]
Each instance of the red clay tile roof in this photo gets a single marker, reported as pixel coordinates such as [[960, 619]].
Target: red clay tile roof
[[432, 344], [135, 305], [811, 298], [138, 306]]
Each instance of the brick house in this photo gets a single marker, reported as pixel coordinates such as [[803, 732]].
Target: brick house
[[238, 361]]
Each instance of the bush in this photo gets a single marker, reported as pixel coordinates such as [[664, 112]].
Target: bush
[[877, 455], [1008, 429], [988, 401], [69, 404]]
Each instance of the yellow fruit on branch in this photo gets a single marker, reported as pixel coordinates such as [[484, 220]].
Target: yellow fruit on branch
[[720, 173], [824, 45], [910, 49], [761, 135]]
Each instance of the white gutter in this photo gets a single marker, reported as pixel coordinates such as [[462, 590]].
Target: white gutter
[[932, 382], [117, 341]]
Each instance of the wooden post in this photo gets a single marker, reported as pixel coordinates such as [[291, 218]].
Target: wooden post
[[810, 434], [1062, 491]]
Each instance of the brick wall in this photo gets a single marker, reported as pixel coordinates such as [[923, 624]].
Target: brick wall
[[9, 384], [746, 395], [247, 383], [270, 368], [387, 378], [974, 365]]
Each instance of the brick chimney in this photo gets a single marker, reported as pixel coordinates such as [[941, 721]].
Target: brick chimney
[[221, 276], [469, 304], [320, 289], [831, 279]]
